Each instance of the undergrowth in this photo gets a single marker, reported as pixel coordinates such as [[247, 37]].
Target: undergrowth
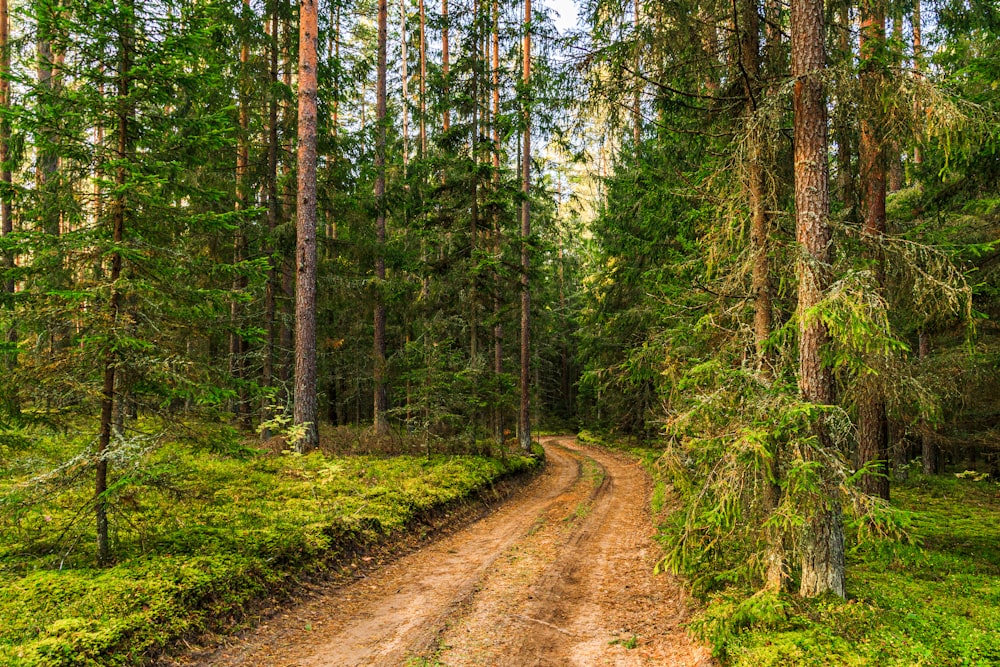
[[199, 538]]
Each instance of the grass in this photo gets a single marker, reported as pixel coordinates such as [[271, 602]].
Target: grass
[[935, 602], [199, 539]]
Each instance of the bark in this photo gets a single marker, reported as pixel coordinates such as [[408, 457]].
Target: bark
[[237, 345], [845, 140], [637, 94], [6, 218], [873, 428], [474, 209], [286, 339], [305, 411], [774, 556], [381, 400], [756, 187], [772, 35], [48, 159], [423, 80], [108, 397], [524, 415], [273, 212], [896, 174], [564, 382], [446, 121], [822, 540], [498, 420], [404, 78], [918, 62], [709, 43], [336, 71]]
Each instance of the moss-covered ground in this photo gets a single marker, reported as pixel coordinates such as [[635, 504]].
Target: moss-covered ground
[[933, 602], [199, 537]]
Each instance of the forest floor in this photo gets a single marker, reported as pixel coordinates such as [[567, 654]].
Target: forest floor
[[561, 574]]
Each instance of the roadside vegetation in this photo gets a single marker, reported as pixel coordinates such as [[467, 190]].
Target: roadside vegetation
[[925, 596], [201, 535], [930, 599]]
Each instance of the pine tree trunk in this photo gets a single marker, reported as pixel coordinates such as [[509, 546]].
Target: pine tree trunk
[[637, 93], [524, 414], [873, 427], [918, 62], [446, 120], [6, 217], [271, 185], [404, 78], [896, 175], [423, 80], [822, 540], [474, 208], [381, 400], [237, 363], [108, 398], [335, 122], [774, 556], [48, 160], [305, 412], [498, 419], [842, 120], [286, 342]]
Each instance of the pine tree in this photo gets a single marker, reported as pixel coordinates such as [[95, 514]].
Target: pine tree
[[822, 542], [306, 413], [524, 413]]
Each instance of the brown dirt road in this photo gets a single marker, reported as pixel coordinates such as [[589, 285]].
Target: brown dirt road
[[561, 574]]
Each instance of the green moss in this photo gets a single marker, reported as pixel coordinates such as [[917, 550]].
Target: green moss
[[198, 537], [933, 602]]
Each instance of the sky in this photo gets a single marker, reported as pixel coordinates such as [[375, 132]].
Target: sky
[[566, 9]]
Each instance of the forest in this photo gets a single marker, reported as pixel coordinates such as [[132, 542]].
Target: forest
[[283, 283]]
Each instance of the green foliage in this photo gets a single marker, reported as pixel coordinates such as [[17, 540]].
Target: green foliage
[[199, 538]]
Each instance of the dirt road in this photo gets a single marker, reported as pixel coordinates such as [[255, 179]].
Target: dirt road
[[560, 575]]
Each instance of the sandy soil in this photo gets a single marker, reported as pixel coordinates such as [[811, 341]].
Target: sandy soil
[[561, 574]]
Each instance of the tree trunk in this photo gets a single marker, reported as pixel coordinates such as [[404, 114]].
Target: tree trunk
[[403, 75], [873, 428], [381, 401], [498, 420], [6, 219], [524, 420], [305, 413], [286, 354], [822, 541], [637, 93], [842, 122], [446, 120], [474, 208], [108, 398], [48, 159], [237, 345], [761, 275], [896, 175], [918, 62], [271, 184], [423, 81]]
